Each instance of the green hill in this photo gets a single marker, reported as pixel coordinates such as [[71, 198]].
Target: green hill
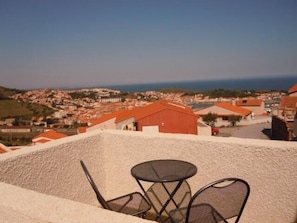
[[10, 108], [5, 93]]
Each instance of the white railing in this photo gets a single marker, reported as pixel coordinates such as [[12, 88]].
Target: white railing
[[50, 186]]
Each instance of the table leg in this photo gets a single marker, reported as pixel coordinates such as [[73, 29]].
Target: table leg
[[164, 206], [147, 197], [170, 198]]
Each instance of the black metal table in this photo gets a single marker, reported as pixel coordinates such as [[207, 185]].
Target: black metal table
[[163, 171]]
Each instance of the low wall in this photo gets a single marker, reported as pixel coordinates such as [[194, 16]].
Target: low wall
[[255, 120], [53, 168], [26, 206], [245, 122], [269, 167]]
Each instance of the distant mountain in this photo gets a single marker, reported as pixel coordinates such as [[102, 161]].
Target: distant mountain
[[5, 93]]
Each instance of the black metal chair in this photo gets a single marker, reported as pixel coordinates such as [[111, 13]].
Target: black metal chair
[[218, 201], [133, 203], [158, 195]]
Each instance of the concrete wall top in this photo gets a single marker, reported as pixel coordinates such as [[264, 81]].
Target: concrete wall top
[[26, 206], [53, 169]]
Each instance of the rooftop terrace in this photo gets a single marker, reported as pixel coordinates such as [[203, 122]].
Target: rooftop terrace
[[45, 183]]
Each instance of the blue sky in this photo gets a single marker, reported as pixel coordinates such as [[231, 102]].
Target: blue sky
[[87, 43]]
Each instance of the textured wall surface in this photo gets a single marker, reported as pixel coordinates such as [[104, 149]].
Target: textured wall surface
[[269, 167], [53, 169], [26, 206]]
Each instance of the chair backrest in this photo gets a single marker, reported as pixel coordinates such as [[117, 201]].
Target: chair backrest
[[100, 198], [158, 195], [227, 196]]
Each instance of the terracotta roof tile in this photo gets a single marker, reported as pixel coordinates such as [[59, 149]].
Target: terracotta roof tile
[[50, 134], [42, 141], [4, 149], [139, 113], [107, 117], [249, 102], [293, 89], [288, 102], [82, 129], [234, 108]]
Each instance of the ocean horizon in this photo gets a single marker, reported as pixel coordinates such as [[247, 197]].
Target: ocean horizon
[[267, 83]]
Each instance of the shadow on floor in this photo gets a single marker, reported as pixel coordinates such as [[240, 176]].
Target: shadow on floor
[[267, 132]]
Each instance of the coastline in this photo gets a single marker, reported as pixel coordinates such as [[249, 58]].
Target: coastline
[[267, 83]]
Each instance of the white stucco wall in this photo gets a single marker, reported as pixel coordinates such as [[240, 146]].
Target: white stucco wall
[[203, 129], [53, 169], [18, 205], [269, 167], [108, 124]]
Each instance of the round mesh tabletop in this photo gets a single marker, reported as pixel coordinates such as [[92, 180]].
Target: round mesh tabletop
[[163, 170]]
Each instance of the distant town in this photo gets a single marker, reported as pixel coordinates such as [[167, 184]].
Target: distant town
[[72, 110], [84, 105]]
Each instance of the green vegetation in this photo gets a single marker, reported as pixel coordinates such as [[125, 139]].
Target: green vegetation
[[217, 93], [22, 110], [85, 94], [17, 139], [13, 108], [177, 90], [210, 118], [5, 93], [233, 119], [39, 110]]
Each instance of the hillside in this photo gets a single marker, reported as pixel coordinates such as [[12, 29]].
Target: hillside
[[10, 108], [5, 93]]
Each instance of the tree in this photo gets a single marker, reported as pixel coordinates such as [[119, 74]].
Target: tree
[[233, 119], [210, 119]]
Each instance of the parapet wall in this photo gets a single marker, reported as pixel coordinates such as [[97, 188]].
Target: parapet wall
[[53, 168], [18, 205]]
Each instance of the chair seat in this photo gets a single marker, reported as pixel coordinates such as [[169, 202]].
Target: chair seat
[[218, 201], [203, 213], [132, 204]]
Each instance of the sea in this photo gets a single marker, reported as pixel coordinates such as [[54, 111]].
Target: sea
[[268, 83]]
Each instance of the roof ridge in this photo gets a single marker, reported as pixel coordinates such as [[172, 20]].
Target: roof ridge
[[234, 108]]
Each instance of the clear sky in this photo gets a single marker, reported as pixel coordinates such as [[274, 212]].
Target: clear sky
[[88, 43]]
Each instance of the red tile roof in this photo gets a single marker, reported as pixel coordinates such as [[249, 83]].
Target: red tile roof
[[288, 102], [234, 108], [49, 135], [42, 141], [106, 117], [4, 149], [82, 129], [293, 89], [139, 113], [249, 102]]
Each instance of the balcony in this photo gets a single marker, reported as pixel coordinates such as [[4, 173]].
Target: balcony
[[45, 183]]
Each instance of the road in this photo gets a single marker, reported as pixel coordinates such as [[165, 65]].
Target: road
[[256, 131]]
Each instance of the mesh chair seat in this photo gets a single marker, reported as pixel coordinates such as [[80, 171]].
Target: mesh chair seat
[[133, 203], [204, 213], [216, 202]]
